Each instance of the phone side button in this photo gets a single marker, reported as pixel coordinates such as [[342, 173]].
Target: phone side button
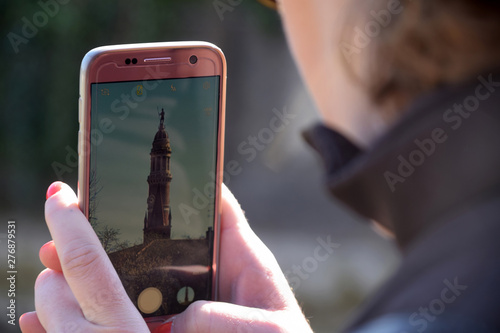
[[80, 142], [80, 110]]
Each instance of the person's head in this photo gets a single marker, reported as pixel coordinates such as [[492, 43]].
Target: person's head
[[365, 61]]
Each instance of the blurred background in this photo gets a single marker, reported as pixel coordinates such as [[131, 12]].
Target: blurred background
[[281, 190]]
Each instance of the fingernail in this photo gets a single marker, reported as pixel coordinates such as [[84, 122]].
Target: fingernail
[[165, 328], [49, 243], [53, 189], [22, 316]]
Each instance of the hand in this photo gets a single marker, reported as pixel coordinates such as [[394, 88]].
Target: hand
[[250, 279], [80, 290]]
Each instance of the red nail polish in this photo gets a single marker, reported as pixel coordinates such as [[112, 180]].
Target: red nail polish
[[49, 243], [53, 189], [165, 328]]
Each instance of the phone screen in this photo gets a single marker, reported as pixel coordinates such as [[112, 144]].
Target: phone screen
[[152, 183]]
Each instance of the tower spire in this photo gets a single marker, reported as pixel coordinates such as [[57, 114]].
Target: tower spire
[[162, 119], [157, 222]]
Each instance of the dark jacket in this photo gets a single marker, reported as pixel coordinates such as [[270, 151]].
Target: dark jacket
[[434, 180]]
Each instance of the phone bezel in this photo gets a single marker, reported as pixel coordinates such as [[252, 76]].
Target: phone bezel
[[91, 71]]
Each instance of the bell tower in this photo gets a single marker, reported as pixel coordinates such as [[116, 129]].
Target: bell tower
[[157, 222]]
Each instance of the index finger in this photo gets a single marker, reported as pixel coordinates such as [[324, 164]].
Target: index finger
[[85, 264]]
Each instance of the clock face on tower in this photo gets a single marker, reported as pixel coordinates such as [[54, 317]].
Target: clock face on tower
[[151, 201]]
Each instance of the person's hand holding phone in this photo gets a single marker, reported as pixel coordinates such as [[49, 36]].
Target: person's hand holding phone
[[81, 292], [254, 294]]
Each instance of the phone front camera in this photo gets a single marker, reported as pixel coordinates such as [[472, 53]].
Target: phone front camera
[[127, 61], [134, 61], [193, 59]]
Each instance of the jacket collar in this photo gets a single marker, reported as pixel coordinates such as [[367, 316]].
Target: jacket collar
[[441, 157]]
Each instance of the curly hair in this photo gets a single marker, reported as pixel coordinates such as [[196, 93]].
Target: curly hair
[[420, 45]]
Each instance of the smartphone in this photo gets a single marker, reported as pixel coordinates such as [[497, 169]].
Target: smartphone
[[151, 144]]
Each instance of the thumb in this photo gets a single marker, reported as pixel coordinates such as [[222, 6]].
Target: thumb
[[85, 265], [206, 316]]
